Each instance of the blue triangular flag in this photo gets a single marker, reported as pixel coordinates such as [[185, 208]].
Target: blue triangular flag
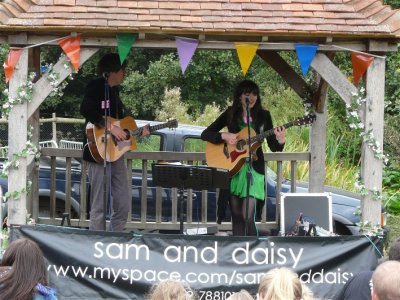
[[305, 54]]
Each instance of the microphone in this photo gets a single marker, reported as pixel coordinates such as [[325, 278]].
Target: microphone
[[247, 99], [105, 75]]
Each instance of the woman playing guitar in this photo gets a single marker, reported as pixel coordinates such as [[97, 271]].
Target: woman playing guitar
[[235, 118]]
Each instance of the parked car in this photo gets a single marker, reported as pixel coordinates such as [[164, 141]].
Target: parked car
[[183, 138]]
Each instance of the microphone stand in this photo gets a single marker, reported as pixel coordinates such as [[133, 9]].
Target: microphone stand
[[106, 107], [250, 163]]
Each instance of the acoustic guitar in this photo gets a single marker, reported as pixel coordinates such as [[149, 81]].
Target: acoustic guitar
[[232, 157], [110, 149]]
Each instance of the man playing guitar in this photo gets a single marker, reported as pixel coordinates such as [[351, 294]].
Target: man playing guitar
[[101, 101]]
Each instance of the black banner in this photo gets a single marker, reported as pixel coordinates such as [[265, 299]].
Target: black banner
[[101, 265]]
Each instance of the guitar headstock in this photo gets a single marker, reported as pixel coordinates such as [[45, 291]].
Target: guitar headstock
[[308, 119], [171, 123]]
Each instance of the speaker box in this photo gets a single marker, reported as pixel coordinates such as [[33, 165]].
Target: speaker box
[[315, 207]]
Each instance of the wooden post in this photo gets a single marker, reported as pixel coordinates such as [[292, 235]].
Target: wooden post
[[17, 139], [318, 142], [33, 122], [54, 127], [373, 112]]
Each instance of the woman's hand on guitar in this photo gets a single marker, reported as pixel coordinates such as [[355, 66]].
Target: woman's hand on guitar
[[145, 131], [230, 138], [280, 133]]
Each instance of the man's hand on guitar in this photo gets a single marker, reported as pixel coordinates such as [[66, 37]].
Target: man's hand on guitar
[[230, 138], [280, 133], [118, 133]]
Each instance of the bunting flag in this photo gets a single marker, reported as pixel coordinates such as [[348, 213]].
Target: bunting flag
[[11, 62], [360, 63], [246, 53], [72, 48], [305, 54], [125, 42], [186, 48]]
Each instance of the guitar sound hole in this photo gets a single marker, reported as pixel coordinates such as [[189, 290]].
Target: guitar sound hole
[[127, 134], [240, 145]]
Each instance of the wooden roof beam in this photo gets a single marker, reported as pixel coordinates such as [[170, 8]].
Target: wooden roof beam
[[293, 79]]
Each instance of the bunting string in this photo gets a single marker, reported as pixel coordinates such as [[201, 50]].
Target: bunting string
[[186, 48], [360, 52]]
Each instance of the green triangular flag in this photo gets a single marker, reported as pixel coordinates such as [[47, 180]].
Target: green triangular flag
[[125, 42]]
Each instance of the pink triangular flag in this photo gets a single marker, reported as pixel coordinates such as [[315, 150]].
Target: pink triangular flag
[[186, 48]]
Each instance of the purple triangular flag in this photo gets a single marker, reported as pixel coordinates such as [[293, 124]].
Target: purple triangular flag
[[305, 54], [186, 48]]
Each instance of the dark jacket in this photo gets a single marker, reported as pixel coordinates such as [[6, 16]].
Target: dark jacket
[[91, 107], [357, 287], [263, 123]]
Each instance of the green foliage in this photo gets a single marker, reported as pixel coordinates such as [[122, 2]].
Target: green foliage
[[172, 107], [209, 114], [392, 84], [392, 139], [275, 99], [143, 93], [4, 49], [393, 3], [210, 77], [391, 182]]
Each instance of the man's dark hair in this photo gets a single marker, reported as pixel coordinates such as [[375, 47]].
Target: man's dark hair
[[110, 62]]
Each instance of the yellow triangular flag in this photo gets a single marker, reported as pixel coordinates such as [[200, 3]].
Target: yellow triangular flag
[[246, 52]]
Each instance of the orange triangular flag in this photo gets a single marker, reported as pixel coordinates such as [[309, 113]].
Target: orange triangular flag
[[11, 62], [72, 48], [246, 53], [360, 63]]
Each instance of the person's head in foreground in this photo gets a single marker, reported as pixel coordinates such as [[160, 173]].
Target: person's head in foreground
[[23, 272], [170, 290], [386, 281], [280, 284], [241, 295]]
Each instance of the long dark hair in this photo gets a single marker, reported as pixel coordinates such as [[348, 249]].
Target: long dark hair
[[28, 268], [245, 86]]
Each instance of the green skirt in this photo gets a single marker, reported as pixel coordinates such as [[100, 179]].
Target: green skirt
[[239, 184]]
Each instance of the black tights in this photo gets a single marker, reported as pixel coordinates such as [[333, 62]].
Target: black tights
[[238, 212]]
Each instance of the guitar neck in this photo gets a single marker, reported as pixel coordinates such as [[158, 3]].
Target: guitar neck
[[260, 137], [138, 131]]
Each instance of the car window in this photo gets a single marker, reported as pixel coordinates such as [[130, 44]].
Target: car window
[[194, 144], [150, 143], [271, 173]]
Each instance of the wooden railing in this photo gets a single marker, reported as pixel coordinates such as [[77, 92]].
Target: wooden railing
[[142, 222]]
